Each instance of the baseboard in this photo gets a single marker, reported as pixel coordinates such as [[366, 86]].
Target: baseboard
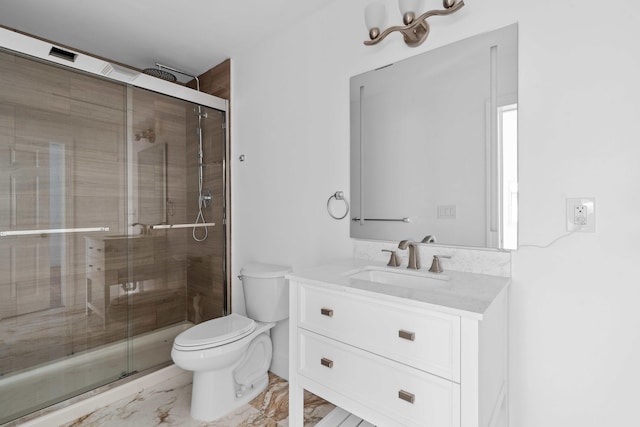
[[280, 366]]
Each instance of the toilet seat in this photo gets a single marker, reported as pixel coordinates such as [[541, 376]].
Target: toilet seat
[[214, 333]]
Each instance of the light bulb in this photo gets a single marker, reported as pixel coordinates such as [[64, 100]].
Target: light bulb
[[374, 15], [408, 9]]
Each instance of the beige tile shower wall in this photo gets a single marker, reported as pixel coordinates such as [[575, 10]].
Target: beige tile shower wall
[[166, 117], [95, 166], [206, 258], [206, 278], [44, 110], [87, 118], [43, 107]]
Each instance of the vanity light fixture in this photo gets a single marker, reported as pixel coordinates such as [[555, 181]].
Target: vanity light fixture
[[415, 30]]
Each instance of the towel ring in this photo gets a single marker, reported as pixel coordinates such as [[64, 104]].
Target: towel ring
[[338, 195]]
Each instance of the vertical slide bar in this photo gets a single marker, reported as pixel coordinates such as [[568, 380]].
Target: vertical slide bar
[[493, 158], [361, 213]]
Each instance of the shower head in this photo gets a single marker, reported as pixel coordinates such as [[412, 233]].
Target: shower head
[[161, 74], [175, 70]]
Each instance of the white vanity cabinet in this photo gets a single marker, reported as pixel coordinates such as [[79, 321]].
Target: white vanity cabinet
[[397, 361]]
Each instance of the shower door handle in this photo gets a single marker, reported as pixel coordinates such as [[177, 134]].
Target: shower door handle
[[168, 226], [51, 231]]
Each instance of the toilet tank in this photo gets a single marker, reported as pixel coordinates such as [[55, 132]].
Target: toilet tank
[[266, 291]]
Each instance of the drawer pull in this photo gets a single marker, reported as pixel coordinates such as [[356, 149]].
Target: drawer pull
[[411, 336], [326, 312], [326, 362], [405, 395]]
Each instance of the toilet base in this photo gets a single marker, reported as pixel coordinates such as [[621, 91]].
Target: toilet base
[[214, 395]]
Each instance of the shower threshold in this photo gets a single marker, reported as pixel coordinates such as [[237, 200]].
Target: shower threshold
[[22, 394]]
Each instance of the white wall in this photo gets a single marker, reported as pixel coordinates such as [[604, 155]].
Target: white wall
[[575, 326]]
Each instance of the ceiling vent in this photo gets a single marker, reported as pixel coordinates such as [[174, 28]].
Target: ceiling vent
[[107, 69], [63, 54]]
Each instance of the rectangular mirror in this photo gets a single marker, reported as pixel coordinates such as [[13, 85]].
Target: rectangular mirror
[[434, 145]]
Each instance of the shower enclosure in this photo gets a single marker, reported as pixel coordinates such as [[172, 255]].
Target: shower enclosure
[[99, 191]]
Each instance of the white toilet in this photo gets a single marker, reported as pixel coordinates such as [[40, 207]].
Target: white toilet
[[230, 356]]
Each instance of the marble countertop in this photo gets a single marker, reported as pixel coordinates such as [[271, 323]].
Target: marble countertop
[[463, 294]]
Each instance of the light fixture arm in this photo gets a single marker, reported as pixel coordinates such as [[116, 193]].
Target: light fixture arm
[[417, 31]]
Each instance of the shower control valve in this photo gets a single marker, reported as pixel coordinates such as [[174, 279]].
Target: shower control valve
[[205, 199]]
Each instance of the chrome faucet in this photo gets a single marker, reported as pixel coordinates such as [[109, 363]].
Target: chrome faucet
[[414, 256]]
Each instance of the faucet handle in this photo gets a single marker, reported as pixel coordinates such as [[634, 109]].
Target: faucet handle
[[436, 267], [394, 261]]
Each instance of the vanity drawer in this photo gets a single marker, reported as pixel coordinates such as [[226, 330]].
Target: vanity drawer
[[94, 248], [424, 339], [407, 395], [95, 264]]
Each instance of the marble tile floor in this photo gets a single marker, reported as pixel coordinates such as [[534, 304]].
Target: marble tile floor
[[167, 404]]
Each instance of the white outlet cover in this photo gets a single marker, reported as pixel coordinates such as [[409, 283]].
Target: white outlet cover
[[590, 204]]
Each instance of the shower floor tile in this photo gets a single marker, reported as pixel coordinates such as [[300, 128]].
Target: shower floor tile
[[168, 403]]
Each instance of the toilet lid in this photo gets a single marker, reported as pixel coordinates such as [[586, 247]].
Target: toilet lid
[[264, 271], [216, 332]]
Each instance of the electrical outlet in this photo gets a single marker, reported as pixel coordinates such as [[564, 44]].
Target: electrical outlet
[[581, 214], [446, 211]]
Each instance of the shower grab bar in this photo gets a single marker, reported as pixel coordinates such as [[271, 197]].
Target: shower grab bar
[[382, 219], [51, 231], [167, 226]]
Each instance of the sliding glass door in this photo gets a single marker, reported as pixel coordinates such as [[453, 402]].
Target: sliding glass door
[[99, 267]]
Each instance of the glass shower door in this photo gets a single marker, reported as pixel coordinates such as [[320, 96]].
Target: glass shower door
[[62, 165], [181, 280], [99, 266]]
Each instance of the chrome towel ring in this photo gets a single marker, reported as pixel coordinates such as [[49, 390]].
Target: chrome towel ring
[[338, 195]]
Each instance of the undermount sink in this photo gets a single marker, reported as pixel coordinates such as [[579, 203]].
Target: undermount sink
[[399, 277]]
